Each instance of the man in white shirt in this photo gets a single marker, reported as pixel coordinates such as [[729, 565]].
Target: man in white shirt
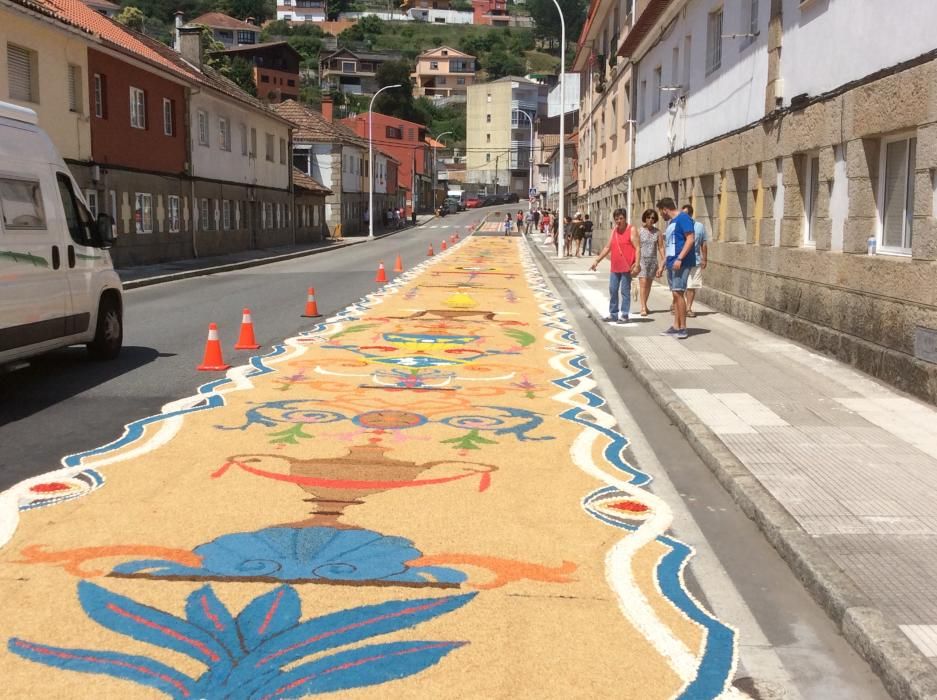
[[695, 282]]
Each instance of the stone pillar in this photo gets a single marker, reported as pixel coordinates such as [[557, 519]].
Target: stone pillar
[[823, 233], [862, 172], [769, 181], [924, 238], [792, 225], [752, 222], [775, 35]]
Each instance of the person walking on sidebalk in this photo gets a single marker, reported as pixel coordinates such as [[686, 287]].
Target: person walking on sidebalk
[[623, 246]]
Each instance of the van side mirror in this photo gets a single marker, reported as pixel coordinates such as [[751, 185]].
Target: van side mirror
[[104, 227]]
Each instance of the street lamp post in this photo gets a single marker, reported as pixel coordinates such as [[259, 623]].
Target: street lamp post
[[371, 163], [435, 165], [561, 224], [530, 156]]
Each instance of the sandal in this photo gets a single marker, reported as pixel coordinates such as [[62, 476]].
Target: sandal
[[691, 314], [644, 312]]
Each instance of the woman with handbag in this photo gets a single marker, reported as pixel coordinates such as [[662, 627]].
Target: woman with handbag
[[623, 246], [651, 257]]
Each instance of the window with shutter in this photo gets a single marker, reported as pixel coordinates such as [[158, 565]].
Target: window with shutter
[[74, 88], [137, 108], [21, 74], [100, 104], [896, 194]]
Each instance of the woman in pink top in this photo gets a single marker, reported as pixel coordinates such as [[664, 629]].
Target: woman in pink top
[[623, 246]]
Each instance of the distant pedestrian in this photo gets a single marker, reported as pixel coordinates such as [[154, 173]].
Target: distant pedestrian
[[396, 215], [576, 235], [680, 259], [622, 246], [587, 236], [652, 255], [528, 221], [567, 235], [536, 216], [519, 219], [701, 250], [507, 224]]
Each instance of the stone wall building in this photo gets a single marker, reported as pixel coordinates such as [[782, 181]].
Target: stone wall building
[[817, 184]]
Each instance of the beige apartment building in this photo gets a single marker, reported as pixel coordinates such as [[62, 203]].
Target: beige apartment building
[[605, 131], [498, 133], [443, 72]]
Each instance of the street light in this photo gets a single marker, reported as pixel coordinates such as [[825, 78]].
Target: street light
[[530, 157], [435, 167], [371, 163], [561, 224]]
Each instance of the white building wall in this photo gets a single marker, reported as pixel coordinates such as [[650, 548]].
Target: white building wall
[[320, 162], [441, 16], [215, 163], [571, 97], [352, 158], [380, 173], [828, 43], [730, 97]]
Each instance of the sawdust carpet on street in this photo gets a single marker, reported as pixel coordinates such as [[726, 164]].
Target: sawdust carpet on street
[[422, 493]]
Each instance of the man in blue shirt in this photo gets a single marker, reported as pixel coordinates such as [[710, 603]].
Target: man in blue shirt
[[681, 258]]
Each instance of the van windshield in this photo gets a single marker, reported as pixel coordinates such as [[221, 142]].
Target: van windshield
[[76, 216]]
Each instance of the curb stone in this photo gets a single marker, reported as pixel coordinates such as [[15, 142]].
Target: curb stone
[[905, 672], [256, 262]]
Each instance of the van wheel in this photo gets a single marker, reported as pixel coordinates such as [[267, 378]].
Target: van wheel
[[109, 334]]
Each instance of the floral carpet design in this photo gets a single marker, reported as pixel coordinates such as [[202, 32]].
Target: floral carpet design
[[421, 496]]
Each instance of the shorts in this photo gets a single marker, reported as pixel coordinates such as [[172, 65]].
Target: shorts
[[695, 280], [678, 278]]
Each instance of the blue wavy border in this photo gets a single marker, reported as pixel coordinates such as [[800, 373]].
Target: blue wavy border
[[717, 661]]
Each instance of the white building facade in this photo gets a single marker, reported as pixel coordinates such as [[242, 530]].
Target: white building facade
[[807, 145]]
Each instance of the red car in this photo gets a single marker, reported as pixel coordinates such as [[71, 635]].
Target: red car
[[473, 203]]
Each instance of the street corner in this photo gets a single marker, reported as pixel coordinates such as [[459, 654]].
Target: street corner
[[424, 492]]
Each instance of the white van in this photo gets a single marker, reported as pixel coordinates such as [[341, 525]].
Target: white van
[[57, 284]]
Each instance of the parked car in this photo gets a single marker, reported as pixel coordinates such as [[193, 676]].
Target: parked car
[[59, 287], [460, 206], [490, 200], [473, 203], [508, 197]]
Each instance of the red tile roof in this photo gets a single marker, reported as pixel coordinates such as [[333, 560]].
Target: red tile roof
[[114, 35], [312, 126], [222, 21], [308, 183]]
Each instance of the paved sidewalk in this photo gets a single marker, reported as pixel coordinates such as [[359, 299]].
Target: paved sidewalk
[[145, 275], [851, 461]]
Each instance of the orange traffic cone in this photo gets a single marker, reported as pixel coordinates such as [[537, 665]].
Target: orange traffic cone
[[442, 246], [398, 265], [429, 253], [212, 362], [246, 340], [381, 274], [312, 309]]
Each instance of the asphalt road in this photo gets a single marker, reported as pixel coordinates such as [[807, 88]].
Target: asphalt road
[[63, 404]]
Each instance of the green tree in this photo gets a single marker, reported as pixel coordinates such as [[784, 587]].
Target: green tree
[[364, 30], [499, 63], [240, 71], [547, 20], [399, 101], [131, 17]]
